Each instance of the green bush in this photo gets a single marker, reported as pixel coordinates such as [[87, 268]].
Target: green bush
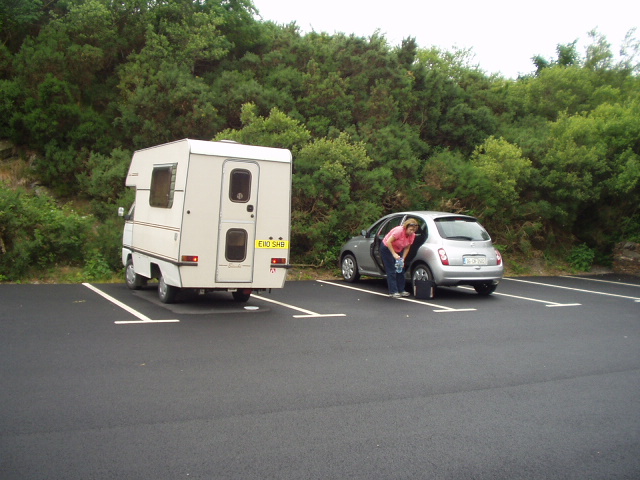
[[105, 242], [104, 177], [36, 234], [96, 267], [581, 257]]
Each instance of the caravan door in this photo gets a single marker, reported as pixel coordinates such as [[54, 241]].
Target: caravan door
[[238, 210]]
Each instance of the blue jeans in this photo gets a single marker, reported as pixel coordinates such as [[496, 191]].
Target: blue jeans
[[395, 281]]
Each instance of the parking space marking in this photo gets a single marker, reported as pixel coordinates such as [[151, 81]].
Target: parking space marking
[[574, 289], [135, 313], [546, 302], [443, 308], [603, 281], [307, 313]]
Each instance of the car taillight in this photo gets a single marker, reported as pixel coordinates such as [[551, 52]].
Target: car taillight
[[190, 258], [443, 256], [498, 258], [278, 261]]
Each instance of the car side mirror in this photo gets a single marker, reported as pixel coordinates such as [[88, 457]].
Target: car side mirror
[[121, 211]]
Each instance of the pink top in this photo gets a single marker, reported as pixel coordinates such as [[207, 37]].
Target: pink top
[[400, 238]]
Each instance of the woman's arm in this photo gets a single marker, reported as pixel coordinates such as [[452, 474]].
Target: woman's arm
[[389, 244]]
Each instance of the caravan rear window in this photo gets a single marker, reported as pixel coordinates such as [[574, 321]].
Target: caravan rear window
[[163, 184], [236, 244]]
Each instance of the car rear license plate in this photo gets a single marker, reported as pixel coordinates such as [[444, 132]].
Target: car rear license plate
[[475, 260]]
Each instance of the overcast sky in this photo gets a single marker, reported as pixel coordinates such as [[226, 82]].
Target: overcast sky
[[503, 34]]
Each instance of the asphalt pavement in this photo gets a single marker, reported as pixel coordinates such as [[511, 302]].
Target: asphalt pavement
[[322, 380]]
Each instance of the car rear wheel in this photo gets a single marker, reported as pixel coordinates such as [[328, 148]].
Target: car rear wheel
[[350, 268], [420, 272], [166, 293], [485, 288]]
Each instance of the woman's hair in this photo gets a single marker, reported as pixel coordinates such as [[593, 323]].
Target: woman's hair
[[409, 221]]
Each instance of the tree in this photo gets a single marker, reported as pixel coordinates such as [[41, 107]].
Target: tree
[[334, 192], [567, 56], [599, 55], [278, 130], [160, 99], [506, 172], [17, 19]]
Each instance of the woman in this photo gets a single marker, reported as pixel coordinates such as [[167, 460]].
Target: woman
[[396, 246]]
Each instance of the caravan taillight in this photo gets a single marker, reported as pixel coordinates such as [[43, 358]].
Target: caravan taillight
[[190, 258], [278, 261]]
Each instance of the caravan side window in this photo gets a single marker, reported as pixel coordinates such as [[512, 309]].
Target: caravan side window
[[163, 184], [240, 186]]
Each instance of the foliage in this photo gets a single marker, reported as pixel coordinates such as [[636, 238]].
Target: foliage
[[35, 233], [104, 175], [505, 172], [278, 130], [581, 257], [96, 267], [547, 160], [334, 192]]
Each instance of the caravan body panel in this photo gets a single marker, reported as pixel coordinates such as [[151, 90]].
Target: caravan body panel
[[210, 215]]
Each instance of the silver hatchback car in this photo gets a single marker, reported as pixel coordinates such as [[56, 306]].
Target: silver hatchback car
[[449, 249]]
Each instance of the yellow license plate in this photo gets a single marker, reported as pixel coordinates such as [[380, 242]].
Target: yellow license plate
[[272, 243]]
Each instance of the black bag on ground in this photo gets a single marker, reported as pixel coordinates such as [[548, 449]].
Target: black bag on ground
[[424, 289]]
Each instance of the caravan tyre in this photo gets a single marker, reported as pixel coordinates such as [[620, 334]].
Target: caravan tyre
[[134, 281], [241, 295], [166, 293]]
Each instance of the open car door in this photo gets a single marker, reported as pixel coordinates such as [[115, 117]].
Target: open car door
[[383, 229]]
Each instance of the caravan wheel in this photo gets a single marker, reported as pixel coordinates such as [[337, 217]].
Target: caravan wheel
[[241, 295], [166, 293], [134, 281]]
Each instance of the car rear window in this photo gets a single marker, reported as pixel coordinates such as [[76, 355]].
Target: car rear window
[[459, 228]]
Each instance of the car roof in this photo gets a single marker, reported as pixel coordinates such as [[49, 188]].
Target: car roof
[[431, 214]]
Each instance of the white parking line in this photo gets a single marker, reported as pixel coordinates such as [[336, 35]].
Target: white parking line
[[603, 281], [135, 313], [307, 313], [443, 309], [573, 289], [546, 302]]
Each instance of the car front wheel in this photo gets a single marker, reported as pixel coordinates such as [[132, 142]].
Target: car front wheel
[[350, 268]]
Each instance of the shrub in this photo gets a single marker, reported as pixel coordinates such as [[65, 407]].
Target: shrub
[[581, 257], [96, 267], [35, 233]]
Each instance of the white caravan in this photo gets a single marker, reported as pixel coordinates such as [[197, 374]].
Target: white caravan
[[208, 216]]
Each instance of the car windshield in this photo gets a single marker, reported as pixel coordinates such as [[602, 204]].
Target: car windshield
[[458, 228]]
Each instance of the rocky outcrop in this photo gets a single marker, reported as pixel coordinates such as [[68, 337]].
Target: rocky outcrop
[[626, 258], [6, 149]]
